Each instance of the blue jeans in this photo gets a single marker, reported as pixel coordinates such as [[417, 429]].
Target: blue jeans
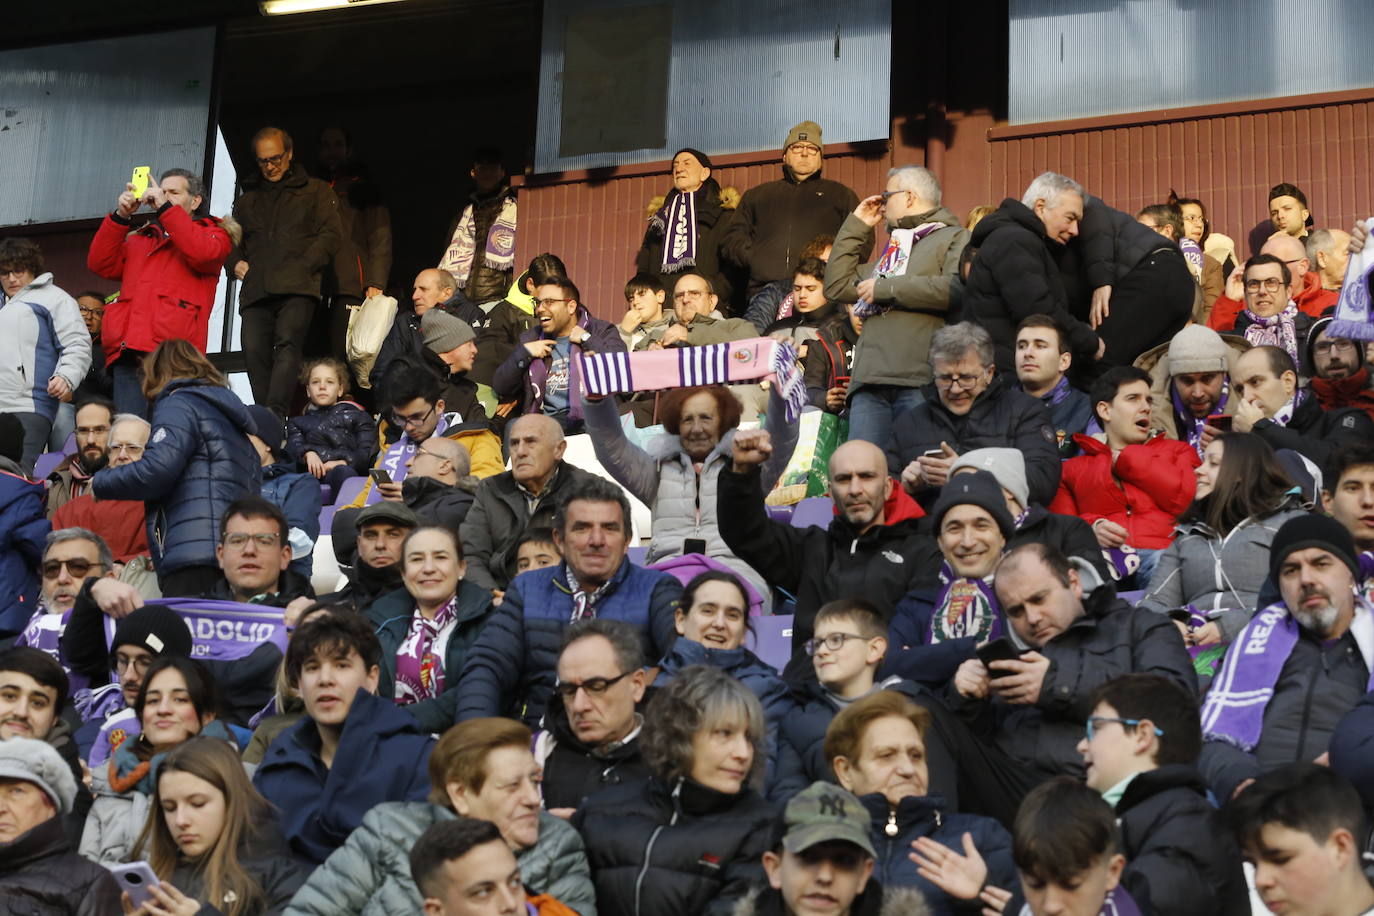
[[128, 386], [873, 409]]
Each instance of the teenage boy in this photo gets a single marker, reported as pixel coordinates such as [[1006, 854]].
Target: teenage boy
[[1042, 363], [645, 320], [353, 749], [1140, 752], [463, 867], [1348, 492]]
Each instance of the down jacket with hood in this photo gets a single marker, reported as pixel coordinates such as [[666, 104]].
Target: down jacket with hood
[[521, 377], [817, 565], [681, 499], [339, 432], [167, 270], [44, 338], [23, 534], [369, 875], [291, 232], [197, 462]]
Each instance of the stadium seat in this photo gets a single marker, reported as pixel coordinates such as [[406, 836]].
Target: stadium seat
[[772, 639], [816, 510], [46, 463], [350, 490]]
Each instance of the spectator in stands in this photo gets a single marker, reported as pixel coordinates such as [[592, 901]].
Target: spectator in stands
[[72, 476], [210, 838], [373, 562], [872, 548], [335, 438], [1028, 719], [677, 476], [1043, 359], [543, 374], [592, 727], [22, 531], [405, 342], [1304, 288], [362, 264], [1016, 273], [70, 557], [480, 769], [1131, 486], [49, 342], [975, 407], [438, 487], [1167, 220], [291, 233], [1198, 227], [1219, 559], [1140, 752], [320, 787], [523, 497], [176, 701], [1189, 383], [451, 346], [513, 316], [198, 461], [121, 523], [1271, 404], [704, 742], [1348, 492], [461, 867], [536, 549], [778, 300], [779, 217], [1327, 254], [810, 309], [512, 667], [38, 869], [695, 319], [1340, 376], [168, 271], [1304, 665], [1288, 210], [1303, 829], [645, 320], [295, 493], [876, 747], [1270, 316], [904, 294], [97, 381], [829, 363], [712, 621], [685, 232], [427, 630], [481, 239]]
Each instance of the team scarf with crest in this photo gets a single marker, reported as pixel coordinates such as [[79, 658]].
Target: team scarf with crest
[[893, 262]]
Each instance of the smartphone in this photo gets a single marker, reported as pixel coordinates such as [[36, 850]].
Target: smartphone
[[1220, 421], [142, 175], [694, 545], [933, 453], [997, 651], [841, 381], [135, 878], [379, 475]]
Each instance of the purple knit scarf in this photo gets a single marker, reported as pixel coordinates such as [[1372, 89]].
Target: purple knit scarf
[[678, 219], [964, 607], [1275, 331], [1193, 426]]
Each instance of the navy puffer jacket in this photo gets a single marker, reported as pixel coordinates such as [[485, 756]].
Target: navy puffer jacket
[[339, 432], [198, 461]]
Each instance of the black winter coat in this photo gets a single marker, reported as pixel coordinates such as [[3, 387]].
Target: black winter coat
[[341, 432], [999, 418], [267, 861], [1111, 243], [573, 772], [1016, 274], [685, 851], [1315, 433], [484, 283], [1069, 533], [291, 232], [711, 219], [505, 323], [437, 503], [364, 256], [405, 342], [828, 357], [1178, 854], [40, 873], [1352, 749]]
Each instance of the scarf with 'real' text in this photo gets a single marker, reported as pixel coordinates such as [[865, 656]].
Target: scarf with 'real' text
[[499, 253], [678, 219]]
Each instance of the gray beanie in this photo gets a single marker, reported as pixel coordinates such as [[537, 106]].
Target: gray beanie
[[39, 763], [1008, 465], [444, 332], [1197, 348]]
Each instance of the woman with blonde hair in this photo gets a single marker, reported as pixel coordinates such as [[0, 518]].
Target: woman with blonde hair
[[212, 841], [197, 462]]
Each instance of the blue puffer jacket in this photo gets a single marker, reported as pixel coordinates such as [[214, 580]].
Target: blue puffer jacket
[[744, 666], [510, 669], [198, 461], [340, 432], [297, 495], [23, 529]]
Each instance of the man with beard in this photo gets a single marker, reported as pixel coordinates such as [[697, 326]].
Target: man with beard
[[121, 522], [72, 477], [1302, 663], [1340, 377]]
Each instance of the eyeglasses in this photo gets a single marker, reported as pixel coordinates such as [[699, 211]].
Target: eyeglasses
[[413, 419], [595, 686], [421, 450], [951, 380], [1096, 722], [16, 272], [272, 160], [888, 194], [77, 566], [239, 540], [1269, 284], [803, 148], [550, 303], [92, 309], [1326, 347], [118, 448], [689, 295], [1195, 218], [834, 642], [140, 663]]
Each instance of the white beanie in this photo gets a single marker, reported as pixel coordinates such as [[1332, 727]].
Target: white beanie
[[1008, 465]]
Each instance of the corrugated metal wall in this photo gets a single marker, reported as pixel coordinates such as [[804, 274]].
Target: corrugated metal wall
[[596, 226], [1227, 160]]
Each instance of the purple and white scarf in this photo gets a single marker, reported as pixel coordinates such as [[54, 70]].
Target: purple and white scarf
[[1284, 415], [499, 253], [1234, 709], [893, 262], [964, 608], [396, 459], [1275, 331], [420, 657], [1192, 256], [1123, 561], [1353, 318], [1118, 903], [584, 602], [1192, 426], [677, 218]]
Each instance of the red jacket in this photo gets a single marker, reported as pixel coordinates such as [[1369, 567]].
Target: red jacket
[[1354, 391], [1145, 493], [168, 271], [1311, 299], [119, 521]]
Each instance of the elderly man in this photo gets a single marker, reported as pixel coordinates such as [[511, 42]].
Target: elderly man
[[72, 477], [512, 668], [440, 485], [1328, 250], [372, 561], [903, 296], [1016, 272], [776, 220], [872, 547], [1306, 661], [70, 557], [695, 320], [405, 343], [684, 233], [1272, 405], [1304, 285], [974, 408], [121, 522], [507, 504], [1340, 376]]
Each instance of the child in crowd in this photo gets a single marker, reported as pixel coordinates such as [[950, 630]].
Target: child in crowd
[[334, 439], [536, 550], [644, 321]]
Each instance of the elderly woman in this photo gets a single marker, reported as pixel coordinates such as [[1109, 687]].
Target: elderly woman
[[703, 742], [876, 747], [482, 768], [676, 475], [427, 627]]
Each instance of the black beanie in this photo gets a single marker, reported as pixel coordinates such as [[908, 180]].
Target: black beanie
[[978, 488], [701, 157], [159, 629], [1313, 531]]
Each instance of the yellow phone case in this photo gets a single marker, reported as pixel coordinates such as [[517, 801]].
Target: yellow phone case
[[142, 175]]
